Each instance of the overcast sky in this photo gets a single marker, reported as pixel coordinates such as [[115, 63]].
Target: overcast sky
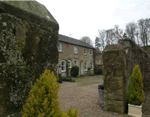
[[78, 18]]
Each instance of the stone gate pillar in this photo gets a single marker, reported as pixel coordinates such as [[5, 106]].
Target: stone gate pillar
[[114, 61], [28, 45]]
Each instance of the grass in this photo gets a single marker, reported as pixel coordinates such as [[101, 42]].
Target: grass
[[84, 80]]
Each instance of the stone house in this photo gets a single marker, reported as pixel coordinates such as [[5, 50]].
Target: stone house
[[75, 52]]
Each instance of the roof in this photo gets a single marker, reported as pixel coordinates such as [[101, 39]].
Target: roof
[[74, 41], [29, 10]]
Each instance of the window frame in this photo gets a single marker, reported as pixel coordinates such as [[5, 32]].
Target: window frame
[[85, 51], [59, 45], [91, 65], [75, 64], [75, 52], [70, 64], [85, 66], [64, 66], [91, 52]]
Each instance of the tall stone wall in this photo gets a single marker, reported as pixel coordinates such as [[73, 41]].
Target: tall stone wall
[[27, 47], [119, 61], [135, 55]]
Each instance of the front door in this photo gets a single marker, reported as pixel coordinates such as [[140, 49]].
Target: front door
[[81, 68]]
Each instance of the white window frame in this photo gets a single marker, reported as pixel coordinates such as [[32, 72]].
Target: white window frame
[[70, 64], [85, 66], [85, 51], [60, 47], [75, 50], [91, 52], [76, 61], [91, 65], [64, 66]]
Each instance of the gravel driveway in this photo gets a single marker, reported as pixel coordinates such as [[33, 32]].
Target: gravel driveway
[[83, 95]]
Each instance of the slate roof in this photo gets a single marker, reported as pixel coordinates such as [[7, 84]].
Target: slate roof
[[73, 41]]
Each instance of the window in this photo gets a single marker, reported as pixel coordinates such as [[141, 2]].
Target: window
[[85, 66], [75, 62], [69, 64], [84, 51], [91, 66], [63, 65], [75, 50], [59, 47], [91, 51]]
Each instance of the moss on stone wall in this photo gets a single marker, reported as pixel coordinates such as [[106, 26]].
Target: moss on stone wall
[[26, 50], [118, 61]]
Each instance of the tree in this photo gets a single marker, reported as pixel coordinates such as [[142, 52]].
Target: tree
[[87, 40], [130, 30], [102, 39], [117, 32], [97, 43], [144, 27], [135, 89], [43, 99], [110, 39]]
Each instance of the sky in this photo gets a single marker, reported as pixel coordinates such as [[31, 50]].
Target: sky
[[78, 18]]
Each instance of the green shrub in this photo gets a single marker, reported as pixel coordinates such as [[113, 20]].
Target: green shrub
[[98, 69], [74, 71], [72, 113], [135, 89], [43, 99]]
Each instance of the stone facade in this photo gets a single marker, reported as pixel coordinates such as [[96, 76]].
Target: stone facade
[[119, 61], [28, 45], [67, 53]]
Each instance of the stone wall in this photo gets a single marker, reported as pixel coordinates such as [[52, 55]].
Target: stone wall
[[119, 61], [27, 47], [135, 55], [114, 82]]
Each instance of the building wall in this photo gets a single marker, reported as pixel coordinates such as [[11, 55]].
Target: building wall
[[68, 54]]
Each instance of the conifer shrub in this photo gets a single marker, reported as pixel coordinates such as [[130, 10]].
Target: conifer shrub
[[136, 86], [74, 71], [43, 99]]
